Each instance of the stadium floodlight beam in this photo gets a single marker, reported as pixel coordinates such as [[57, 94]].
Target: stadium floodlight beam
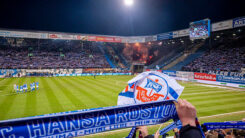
[[128, 2]]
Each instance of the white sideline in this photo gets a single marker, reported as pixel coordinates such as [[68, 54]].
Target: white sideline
[[203, 93], [222, 114], [196, 93], [117, 131]]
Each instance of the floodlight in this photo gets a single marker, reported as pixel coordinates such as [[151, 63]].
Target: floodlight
[[128, 2]]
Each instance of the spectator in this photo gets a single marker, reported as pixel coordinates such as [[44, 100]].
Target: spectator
[[187, 115]]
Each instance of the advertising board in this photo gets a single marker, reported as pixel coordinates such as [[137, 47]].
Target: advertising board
[[149, 39], [36, 35], [169, 73], [155, 38], [222, 25], [61, 36], [204, 76], [104, 39], [175, 34], [5, 33], [67, 36], [136, 39], [165, 36], [225, 73], [239, 22], [231, 79], [184, 32], [81, 37], [184, 74]]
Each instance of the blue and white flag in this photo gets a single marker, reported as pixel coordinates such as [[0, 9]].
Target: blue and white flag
[[148, 87]]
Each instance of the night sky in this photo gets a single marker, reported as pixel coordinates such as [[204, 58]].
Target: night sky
[[112, 17]]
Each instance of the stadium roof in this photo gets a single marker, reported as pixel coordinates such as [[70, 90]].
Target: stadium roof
[[112, 17]]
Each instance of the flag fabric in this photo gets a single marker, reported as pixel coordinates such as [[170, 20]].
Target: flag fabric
[[148, 87]]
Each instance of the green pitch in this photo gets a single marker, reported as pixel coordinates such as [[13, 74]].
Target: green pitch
[[59, 94]]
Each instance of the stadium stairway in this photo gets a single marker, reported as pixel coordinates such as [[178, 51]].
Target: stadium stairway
[[109, 61], [101, 47], [122, 58], [168, 58], [187, 58]]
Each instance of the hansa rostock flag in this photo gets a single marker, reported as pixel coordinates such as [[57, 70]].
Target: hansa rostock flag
[[148, 87]]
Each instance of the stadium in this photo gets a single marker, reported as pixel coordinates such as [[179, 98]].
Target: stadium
[[50, 77]]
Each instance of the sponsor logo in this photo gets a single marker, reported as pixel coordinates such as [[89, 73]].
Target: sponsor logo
[[231, 79], [242, 86], [80, 37], [204, 76], [223, 84], [230, 74], [53, 36], [222, 25], [239, 22]]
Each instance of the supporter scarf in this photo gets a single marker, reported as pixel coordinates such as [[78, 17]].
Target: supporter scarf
[[85, 122], [132, 132], [168, 128], [224, 125]]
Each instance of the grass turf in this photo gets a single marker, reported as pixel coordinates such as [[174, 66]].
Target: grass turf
[[58, 94]]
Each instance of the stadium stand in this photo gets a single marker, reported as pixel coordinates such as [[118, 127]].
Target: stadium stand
[[46, 57], [179, 53], [188, 56], [227, 53]]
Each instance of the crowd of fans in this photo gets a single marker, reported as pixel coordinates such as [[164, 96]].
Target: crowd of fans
[[17, 53], [226, 54], [225, 133], [13, 59], [223, 59], [189, 129]]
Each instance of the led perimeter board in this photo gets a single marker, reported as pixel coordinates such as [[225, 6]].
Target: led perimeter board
[[200, 29]]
